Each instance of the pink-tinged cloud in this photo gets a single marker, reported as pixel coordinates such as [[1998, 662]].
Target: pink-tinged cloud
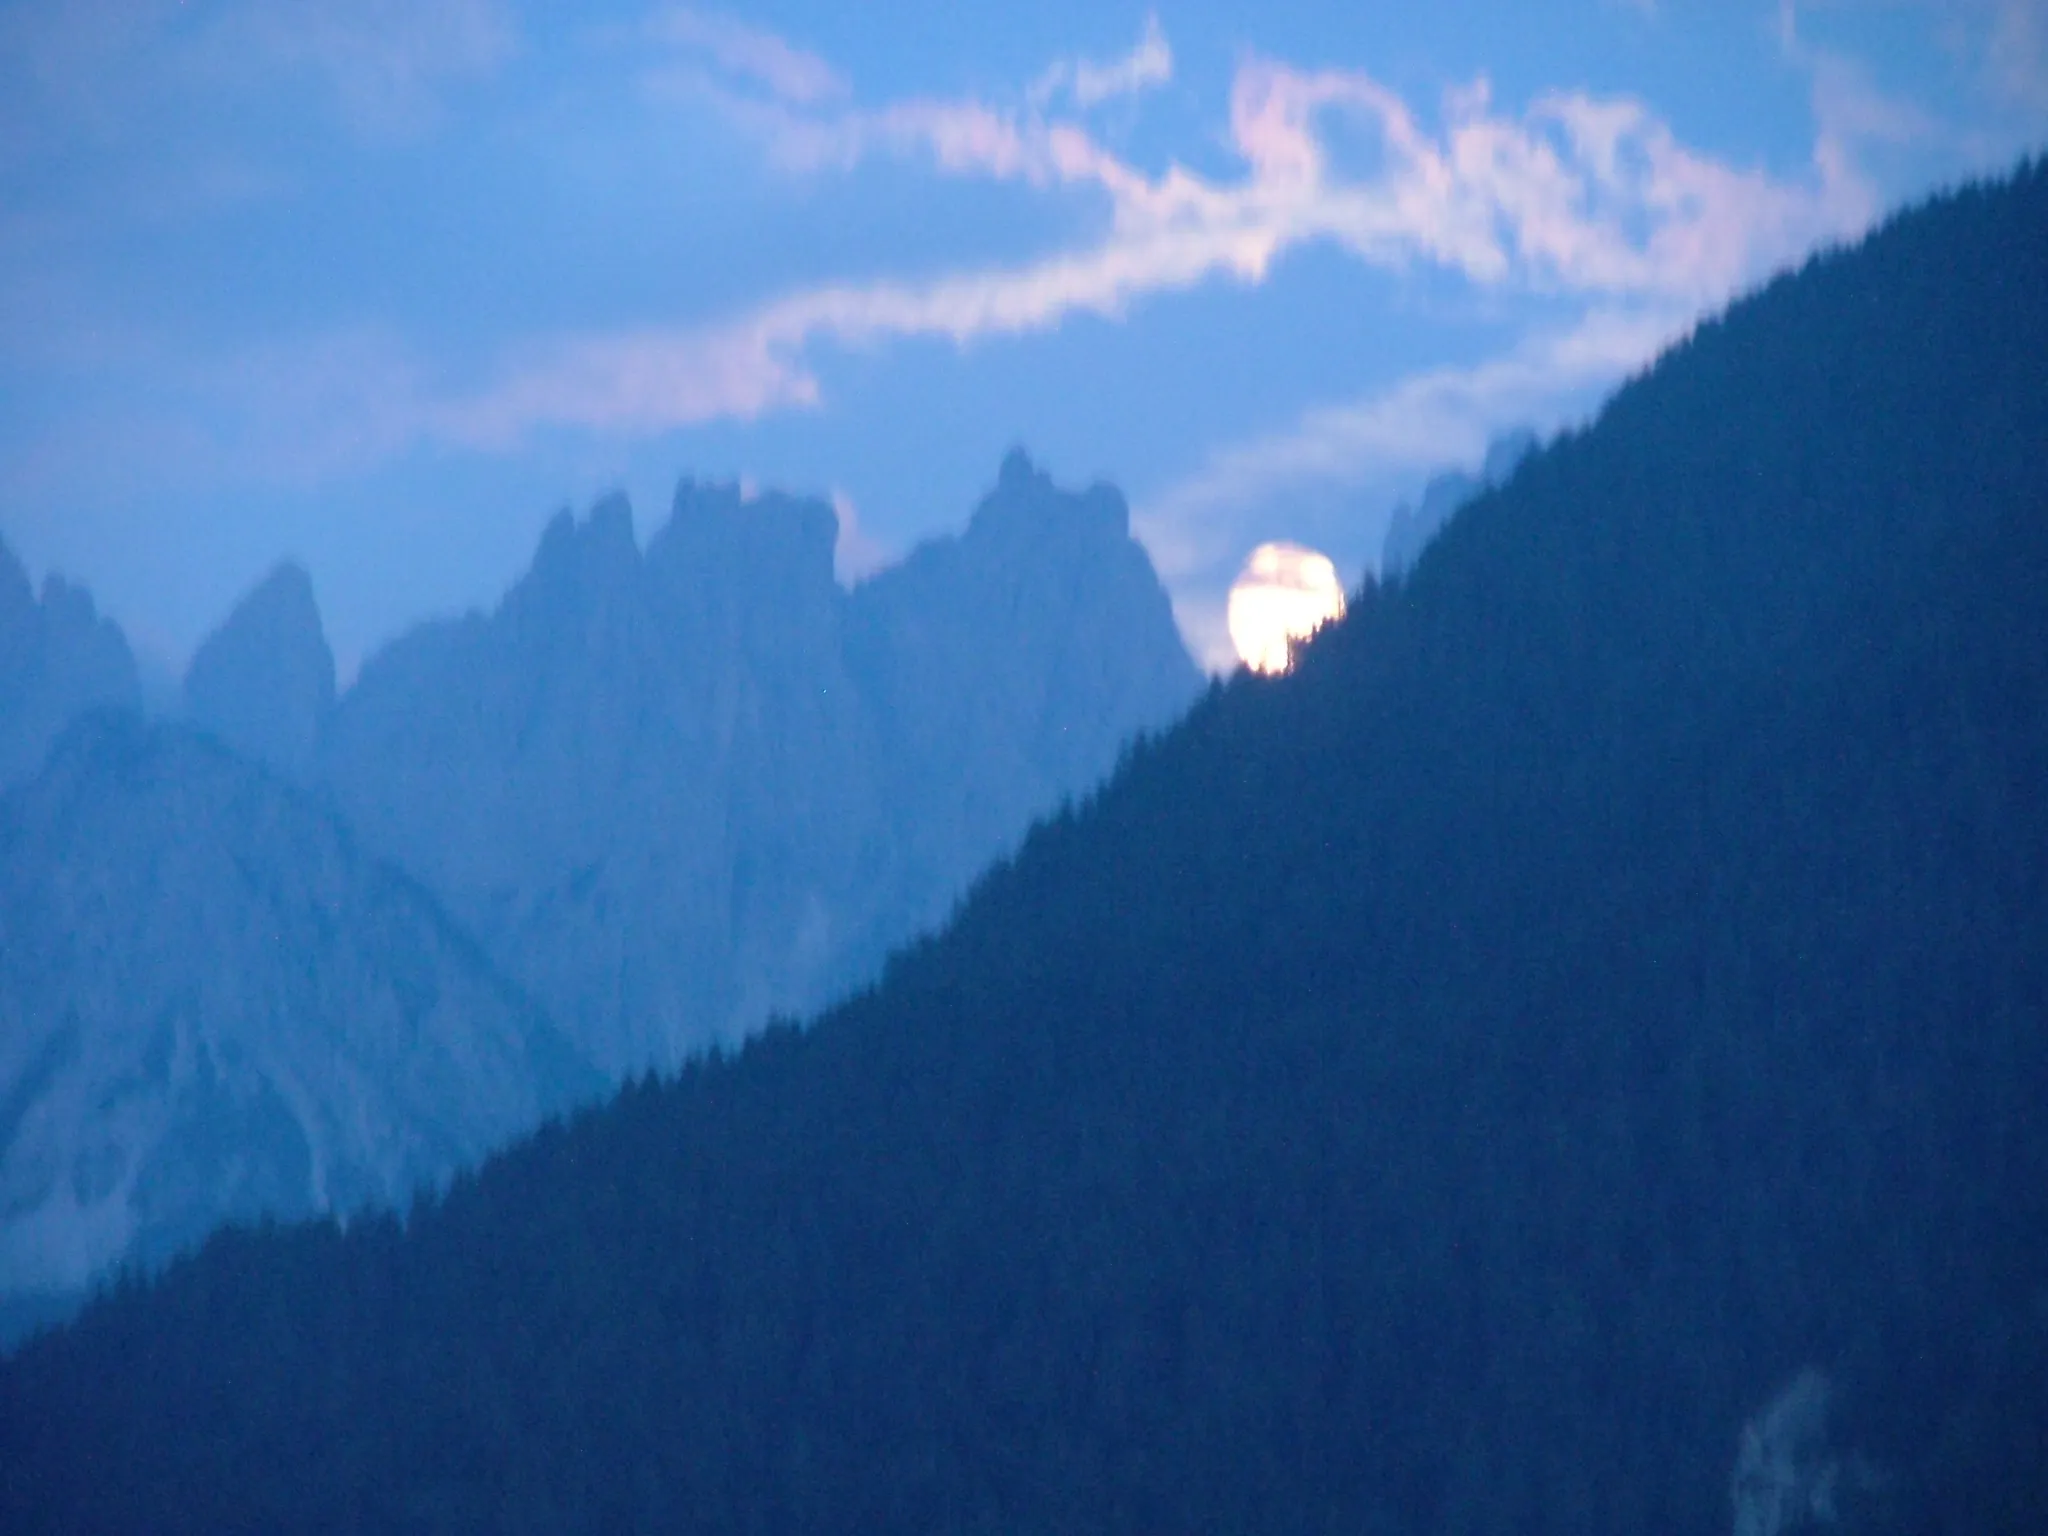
[[1579, 195], [750, 54], [633, 384], [1089, 84]]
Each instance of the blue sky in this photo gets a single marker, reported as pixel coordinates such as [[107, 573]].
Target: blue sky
[[381, 285]]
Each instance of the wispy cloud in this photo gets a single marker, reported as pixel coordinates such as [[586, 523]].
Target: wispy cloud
[[2005, 42], [749, 54], [1439, 417], [387, 62], [1589, 197], [1579, 194], [2018, 52], [1090, 84]]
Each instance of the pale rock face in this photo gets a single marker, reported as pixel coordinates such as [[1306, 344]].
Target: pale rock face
[[264, 681], [214, 1006], [1007, 668], [58, 658], [677, 793]]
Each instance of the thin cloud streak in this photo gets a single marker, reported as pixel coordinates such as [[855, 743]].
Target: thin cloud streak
[[1089, 84], [1434, 419], [750, 54]]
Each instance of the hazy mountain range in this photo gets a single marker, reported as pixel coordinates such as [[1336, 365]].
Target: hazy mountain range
[[217, 1007], [1567, 1058], [664, 795], [680, 791]]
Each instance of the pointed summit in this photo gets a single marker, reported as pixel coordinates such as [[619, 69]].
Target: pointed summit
[[264, 681], [716, 531], [598, 551], [1026, 500], [58, 658], [1018, 472]]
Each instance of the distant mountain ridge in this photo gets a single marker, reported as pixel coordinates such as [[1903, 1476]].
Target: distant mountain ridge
[[216, 1008], [681, 791], [1567, 1058], [669, 794]]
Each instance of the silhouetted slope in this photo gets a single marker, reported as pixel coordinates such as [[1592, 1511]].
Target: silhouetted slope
[[1459, 1087]]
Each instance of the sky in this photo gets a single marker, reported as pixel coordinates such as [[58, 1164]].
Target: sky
[[381, 285]]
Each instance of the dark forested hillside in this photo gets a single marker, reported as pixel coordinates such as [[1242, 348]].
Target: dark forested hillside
[[1570, 1058]]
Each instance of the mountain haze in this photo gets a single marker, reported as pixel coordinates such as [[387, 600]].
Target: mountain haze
[[217, 1008], [671, 793], [678, 792], [1568, 1058]]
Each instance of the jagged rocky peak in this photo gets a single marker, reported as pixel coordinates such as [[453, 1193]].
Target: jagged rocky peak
[[585, 575], [58, 658], [264, 681], [1026, 502], [599, 550], [1011, 664], [715, 525]]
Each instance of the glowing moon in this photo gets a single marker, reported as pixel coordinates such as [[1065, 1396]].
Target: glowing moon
[[1283, 594]]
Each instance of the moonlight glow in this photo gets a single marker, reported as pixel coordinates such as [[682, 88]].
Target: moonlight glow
[[1283, 595]]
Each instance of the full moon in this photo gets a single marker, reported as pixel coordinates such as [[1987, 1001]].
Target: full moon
[[1283, 594]]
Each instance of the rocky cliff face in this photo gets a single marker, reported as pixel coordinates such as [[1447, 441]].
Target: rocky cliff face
[[1006, 668], [264, 681], [213, 1005], [678, 792], [58, 658]]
